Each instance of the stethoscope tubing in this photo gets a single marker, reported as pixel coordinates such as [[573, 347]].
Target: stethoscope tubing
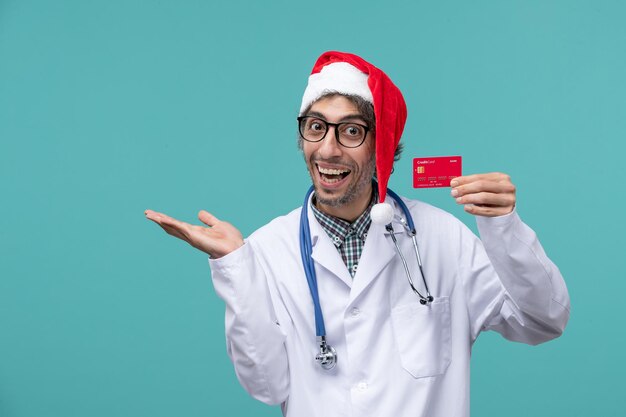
[[407, 222], [405, 210], [309, 268]]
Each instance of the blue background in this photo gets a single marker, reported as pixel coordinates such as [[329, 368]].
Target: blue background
[[108, 108]]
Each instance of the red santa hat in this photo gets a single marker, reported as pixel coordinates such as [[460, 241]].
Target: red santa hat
[[346, 73]]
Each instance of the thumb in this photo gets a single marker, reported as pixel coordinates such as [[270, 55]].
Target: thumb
[[207, 218]]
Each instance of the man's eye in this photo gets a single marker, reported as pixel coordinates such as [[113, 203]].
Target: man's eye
[[316, 126], [353, 130]]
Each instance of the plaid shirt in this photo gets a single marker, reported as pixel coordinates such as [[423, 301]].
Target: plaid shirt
[[349, 238]]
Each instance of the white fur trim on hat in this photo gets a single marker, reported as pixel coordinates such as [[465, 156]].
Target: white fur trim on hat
[[339, 77]]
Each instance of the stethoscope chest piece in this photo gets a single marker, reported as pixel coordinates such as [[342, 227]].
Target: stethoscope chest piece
[[327, 356]]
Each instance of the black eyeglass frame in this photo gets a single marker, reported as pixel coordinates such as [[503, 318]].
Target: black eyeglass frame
[[336, 126]]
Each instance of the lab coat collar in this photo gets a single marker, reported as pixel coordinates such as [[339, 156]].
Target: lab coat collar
[[377, 253], [324, 252]]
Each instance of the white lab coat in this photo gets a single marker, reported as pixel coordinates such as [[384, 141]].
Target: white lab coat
[[396, 357]]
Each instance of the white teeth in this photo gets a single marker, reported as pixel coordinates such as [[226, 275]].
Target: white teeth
[[329, 171]]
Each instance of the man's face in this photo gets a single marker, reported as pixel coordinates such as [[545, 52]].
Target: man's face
[[326, 158]]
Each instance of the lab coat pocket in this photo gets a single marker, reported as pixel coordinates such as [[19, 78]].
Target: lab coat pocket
[[423, 336]]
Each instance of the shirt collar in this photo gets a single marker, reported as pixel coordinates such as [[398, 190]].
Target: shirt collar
[[339, 229]]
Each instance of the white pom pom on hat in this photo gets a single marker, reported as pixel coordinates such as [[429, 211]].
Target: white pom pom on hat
[[382, 213], [350, 74]]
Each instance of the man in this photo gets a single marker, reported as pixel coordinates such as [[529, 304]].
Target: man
[[397, 350]]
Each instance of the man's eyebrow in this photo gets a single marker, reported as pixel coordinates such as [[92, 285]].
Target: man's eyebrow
[[343, 119]]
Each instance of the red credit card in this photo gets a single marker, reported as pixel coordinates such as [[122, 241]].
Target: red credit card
[[436, 171]]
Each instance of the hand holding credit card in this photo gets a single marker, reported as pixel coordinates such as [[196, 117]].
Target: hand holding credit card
[[436, 171]]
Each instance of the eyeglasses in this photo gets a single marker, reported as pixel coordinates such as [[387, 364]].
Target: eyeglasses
[[348, 134]]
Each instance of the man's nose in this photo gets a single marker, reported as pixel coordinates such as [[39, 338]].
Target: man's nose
[[329, 145]]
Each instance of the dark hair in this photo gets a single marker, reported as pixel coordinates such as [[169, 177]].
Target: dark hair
[[365, 108]]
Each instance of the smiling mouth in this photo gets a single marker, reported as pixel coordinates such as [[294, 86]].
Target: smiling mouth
[[332, 175]]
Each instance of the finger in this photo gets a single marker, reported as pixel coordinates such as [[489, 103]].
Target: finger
[[491, 176], [165, 220], [487, 211], [483, 185], [174, 232], [207, 218], [490, 199], [155, 215], [151, 214], [465, 179]]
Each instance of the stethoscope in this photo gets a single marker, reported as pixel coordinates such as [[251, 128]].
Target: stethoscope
[[327, 356]]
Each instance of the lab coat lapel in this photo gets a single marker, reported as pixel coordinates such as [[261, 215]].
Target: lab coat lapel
[[325, 254], [377, 253]]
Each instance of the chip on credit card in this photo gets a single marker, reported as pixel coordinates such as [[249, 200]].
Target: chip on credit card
[[436, 171]]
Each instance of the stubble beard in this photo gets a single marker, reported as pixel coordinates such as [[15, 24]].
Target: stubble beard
[[354, 190]]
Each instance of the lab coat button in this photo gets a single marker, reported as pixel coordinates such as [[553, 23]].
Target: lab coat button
[[362, 386], [355, 312]]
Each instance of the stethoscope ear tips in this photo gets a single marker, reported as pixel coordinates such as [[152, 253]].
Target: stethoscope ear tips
[[430, 299]]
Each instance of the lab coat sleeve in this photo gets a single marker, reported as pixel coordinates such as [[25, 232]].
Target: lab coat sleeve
[[255, 340], [532, 303]]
